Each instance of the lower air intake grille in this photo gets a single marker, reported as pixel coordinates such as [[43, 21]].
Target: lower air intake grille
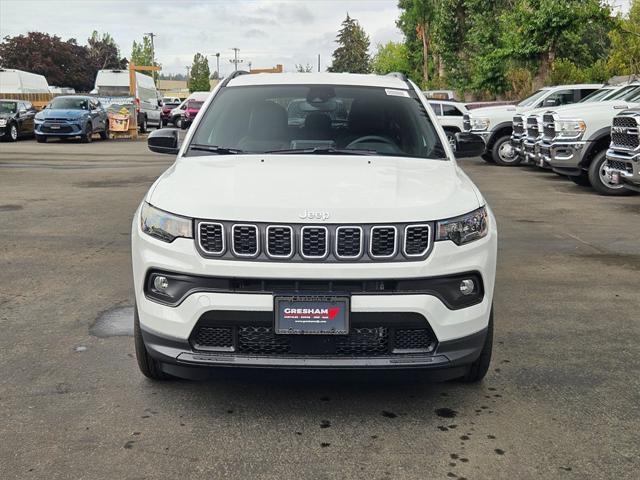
[[261, 341], [365, 342], [212, 338], [619, 165], [413, 340], [383, 241], [416, 240]]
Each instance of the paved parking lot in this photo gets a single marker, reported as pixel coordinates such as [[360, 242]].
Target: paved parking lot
[[562, 399]]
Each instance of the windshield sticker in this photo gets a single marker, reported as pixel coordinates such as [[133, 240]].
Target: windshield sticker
[[397, 93]]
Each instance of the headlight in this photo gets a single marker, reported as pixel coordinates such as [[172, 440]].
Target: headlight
[[464, 229], [38, 120], [570, 128], [163, 225], [479, 123]]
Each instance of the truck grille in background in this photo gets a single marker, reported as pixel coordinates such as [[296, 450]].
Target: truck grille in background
[[245, 240], [416, 240], [314, 242], [549, 126], [306, 243], [373, 341], [348, 242], [518, 125], [629, 136], [466, 122], [383, 241], [279, 241], [532, 127], [620, 165]]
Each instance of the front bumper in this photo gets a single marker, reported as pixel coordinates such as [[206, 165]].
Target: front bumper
[[530, 151], [566, 157], [516, 144], [59, 128], [168, 330], [627, 166]]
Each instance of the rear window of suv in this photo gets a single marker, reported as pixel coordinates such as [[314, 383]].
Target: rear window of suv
[[290, 118]]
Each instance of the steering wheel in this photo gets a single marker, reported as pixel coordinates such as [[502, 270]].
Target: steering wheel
[[371, 139]]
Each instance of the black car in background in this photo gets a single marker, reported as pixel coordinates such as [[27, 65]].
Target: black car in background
[[16, 119]]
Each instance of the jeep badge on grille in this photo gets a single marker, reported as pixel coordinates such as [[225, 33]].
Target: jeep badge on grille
[[319, 215]]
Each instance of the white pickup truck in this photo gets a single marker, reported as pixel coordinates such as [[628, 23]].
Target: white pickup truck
[[494, 124], [576, 140], [623, 156]]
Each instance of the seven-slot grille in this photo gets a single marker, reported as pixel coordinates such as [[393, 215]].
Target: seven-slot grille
[[532, 127], [625, 133], [295, 242], [314, 242], [518, 125], [245, 240], [549, 126]]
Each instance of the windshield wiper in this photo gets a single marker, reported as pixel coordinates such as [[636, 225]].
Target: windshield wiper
[[215, 149], [326, 151]]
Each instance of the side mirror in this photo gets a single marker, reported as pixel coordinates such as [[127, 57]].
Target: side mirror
[[22, 111], [164, 140], [468, 145], [550, 102], [160, 103]]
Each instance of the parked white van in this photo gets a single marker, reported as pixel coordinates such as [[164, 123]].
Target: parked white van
[[115, 83], [19, 81]]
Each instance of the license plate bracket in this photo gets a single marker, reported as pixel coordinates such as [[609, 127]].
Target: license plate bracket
[[311, 314]]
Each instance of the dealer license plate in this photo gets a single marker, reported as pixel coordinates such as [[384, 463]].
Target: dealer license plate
[[311, 315]]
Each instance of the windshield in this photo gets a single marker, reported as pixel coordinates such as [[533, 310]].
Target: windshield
[[629, 93], [531, 100], [194, 105], [318, 118], [69, 103], [598, 95], [8, 107]]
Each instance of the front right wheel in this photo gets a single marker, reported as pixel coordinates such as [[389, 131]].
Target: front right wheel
[[503, 153], [601, 180], [479, 368]]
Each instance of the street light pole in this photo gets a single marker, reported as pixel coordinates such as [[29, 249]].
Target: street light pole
[[218, 64], [235, 59]]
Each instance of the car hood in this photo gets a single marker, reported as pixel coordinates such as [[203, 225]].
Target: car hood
[[590, 110], [280, 188], [7, 115], [61, 113]]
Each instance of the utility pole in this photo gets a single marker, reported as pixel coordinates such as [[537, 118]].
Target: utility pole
[[152, 35], [318, 63], [235, 60], [218, 64]]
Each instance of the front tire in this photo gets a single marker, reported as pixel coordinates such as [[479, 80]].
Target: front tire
[[143, 125], [487, 157], [503, 154], [87, 137], [601, 181], [13, 133], [149, 366], [41, 139], [104, 135], [479, 368]]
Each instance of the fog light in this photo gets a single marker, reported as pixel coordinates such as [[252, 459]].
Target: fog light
[[467, 286], [161, 283]]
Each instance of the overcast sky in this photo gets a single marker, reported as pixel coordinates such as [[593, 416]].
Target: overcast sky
[[266, 31]]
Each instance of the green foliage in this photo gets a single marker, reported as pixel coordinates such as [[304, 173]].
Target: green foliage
[[391, 57], [624, 58], [199, 74], [142, 54], [104, 51], [352, 54]]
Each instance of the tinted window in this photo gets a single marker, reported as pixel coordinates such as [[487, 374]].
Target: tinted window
[[70, 103], [585, 92], [436, 108], [258, 119], [562, 97], [450, 111], [8, 107]]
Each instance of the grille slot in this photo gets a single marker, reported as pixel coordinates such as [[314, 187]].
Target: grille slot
[[414, 340], [315, 242], [629, 137], [213, 338], [466, 122], [383, 242], [417, 240], [349, 242], [365, 342], [279, 241], [245, 240], [518, 125], [532, 127], [211, 238], [549, 126]]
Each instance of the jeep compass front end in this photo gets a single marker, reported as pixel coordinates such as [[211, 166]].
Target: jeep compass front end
[[351, 239]]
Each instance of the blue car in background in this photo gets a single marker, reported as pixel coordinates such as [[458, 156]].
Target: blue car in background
[[71, 116]]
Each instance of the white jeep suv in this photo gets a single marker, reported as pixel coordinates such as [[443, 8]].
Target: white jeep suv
[[314, 221]]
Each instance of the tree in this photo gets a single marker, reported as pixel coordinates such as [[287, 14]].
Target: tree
[[624, 58], [104, 52], [352, 54], [63, 63], [416, 22], [391, 57], [142, 54], [308, 68], [199, 74]]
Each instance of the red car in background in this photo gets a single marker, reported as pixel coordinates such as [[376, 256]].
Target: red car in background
[[190, 111], [165, 113]]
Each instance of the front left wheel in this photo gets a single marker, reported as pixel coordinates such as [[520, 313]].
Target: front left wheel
[[600, 178], [503, 153], [479, 368], [149, 366], [12, 134]]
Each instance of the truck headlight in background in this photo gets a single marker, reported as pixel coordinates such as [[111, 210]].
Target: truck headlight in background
[[570, 128], [479, 123], [163, 225], [464, 229]]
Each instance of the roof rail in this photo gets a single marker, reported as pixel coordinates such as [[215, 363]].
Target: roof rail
[[235, 74], [399, 75]]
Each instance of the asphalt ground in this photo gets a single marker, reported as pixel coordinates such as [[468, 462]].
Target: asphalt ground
[[561, 399]]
